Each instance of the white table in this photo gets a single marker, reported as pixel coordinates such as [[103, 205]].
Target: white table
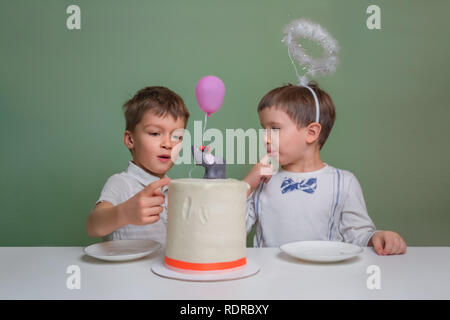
[[41, 273]]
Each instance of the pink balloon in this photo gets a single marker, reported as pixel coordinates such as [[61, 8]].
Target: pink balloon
[[210, 92]]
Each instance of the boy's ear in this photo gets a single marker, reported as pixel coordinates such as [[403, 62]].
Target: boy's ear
[[128, 139], [313, 132]]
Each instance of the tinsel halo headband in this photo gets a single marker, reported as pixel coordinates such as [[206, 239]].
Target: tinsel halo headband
[[306, 29]]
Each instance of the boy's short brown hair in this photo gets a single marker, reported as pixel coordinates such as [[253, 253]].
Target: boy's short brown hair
[[298, 102], [160, 100]]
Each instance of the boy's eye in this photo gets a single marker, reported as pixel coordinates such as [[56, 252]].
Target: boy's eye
[[153, 133]]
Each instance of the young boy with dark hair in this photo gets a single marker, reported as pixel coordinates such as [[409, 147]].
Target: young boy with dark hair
[[307, 199], [132, 202]]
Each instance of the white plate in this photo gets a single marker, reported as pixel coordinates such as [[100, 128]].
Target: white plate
[[122, 250], [250, 269], [321, 251]]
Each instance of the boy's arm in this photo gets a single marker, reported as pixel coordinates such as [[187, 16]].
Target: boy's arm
[[250, 217], [355, 224], [104, 219], [257, 173], [260, 171], [358, 228], [141, 209]]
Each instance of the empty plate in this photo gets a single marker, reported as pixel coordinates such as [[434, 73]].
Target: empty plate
[[122, 250], [321, 251]]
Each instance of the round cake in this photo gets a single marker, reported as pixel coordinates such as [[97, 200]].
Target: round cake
[[206, 224]]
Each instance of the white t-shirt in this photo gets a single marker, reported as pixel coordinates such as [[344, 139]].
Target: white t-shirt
[[122, 186], [326, 204]]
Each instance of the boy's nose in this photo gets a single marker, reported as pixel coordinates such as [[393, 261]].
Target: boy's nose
[[166, 142], [266, 138]]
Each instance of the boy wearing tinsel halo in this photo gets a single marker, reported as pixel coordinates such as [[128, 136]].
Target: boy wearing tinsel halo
[[307, 199]]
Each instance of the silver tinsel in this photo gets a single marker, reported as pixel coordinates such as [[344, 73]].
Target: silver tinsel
[[307, 29]]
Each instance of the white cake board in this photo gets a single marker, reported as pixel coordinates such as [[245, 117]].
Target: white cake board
[[249, 270]]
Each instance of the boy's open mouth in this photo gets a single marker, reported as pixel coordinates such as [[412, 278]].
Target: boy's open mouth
[[164, 157]]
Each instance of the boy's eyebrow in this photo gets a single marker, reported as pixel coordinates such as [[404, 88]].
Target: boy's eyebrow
[[151, 124], [162, 128], [272, 123]]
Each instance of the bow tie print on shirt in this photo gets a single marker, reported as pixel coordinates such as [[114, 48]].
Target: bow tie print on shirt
[[289, 185]]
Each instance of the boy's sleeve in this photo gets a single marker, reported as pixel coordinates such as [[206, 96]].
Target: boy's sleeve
[[355, 225], [114, 190], [250, 217]]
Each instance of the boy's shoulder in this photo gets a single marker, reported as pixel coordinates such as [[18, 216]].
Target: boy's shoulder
[[117, 188], [341, 172], [118, 181], [343, 176], [346, 180]]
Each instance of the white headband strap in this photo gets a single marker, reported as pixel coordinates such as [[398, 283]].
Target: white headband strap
[[302, 81], [317, 103]]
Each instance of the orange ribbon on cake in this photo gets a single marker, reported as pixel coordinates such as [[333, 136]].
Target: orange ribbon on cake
[[205, 266]]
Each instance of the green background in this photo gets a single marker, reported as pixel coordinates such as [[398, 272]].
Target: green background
[[61, 94]]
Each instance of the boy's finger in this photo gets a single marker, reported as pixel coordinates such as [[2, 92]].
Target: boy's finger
[[266, 170], [377, 245], [399, 246], [150, 189], [151, 219], [265, 159], [154, 201], [395, 246], [388, 245], [153, 211], [403, 250]]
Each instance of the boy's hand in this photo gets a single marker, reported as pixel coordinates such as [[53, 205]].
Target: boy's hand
[[387, 242], [144, 207], [261, 170]]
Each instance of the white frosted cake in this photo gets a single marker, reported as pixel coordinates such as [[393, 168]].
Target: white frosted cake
[[206, 224]]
